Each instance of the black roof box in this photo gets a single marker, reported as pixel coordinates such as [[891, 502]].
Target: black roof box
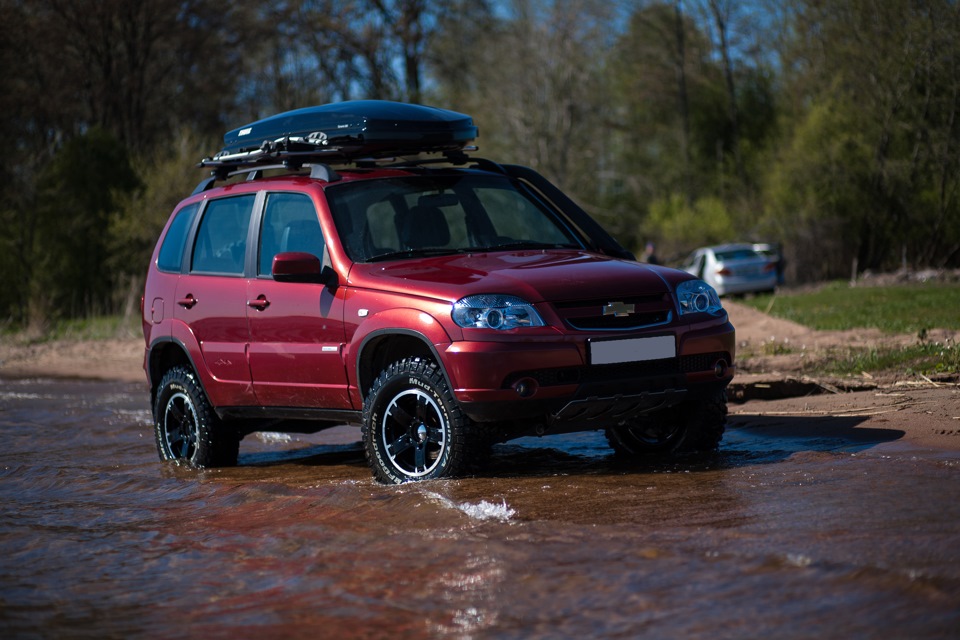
[[346, 131]]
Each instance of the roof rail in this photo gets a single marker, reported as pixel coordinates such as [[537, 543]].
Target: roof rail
[[318, 171]]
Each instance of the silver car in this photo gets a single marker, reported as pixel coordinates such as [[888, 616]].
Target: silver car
[[733, 268]]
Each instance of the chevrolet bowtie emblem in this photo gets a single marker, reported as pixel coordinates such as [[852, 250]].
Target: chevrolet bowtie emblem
[[617, 309]]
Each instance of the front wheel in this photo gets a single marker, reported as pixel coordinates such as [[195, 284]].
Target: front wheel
[[413, 428], [696, 425], [186, 427]]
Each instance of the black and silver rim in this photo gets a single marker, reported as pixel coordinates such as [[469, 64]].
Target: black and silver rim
[[655, 435], [414, 433], [181, 430]]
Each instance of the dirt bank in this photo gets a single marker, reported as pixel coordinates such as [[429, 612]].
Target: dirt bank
[[120, 359]]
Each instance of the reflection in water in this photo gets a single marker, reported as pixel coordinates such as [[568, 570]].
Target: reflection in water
[[781, 534]]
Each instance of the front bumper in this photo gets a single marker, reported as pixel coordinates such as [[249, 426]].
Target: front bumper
[[550, 381]]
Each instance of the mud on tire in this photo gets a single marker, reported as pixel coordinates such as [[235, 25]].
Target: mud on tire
[[696, 425], [413, 428], [186, 427]]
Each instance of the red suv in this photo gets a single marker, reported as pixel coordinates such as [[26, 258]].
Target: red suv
[[385, 278]]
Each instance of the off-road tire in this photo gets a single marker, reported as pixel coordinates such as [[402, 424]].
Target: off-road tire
[[706, 423], [695, 425], [186, 427], [413, 428]]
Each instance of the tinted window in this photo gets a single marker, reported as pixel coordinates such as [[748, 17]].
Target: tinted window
[[514, 217], [736, 254], [221, 243], [457, 213], [171, 251], [289, 224]]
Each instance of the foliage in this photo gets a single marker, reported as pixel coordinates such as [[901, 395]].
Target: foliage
[[832, 128], [879, 85], [140, 216], [707, 221], [77, 195], [817, 189]]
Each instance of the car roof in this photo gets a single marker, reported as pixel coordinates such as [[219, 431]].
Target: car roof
[[732, 246]]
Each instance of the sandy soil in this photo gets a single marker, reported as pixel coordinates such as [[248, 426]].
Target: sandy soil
[[772, 356]]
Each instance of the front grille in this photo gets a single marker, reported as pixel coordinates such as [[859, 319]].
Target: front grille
[[587, 315], [623, 371]]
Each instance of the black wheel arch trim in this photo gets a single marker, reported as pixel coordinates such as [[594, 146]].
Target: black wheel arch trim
[[154, 375], [380, 334]]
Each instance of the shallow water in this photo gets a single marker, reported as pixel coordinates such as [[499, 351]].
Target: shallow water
[[775, 536]]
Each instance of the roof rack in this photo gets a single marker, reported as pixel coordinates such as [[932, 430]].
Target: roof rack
[[253, 164]]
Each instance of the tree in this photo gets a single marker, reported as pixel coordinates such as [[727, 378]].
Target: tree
[[340, 51], [131, 68], [89, 70], [683, 129], [78, 193], [895, 65], [819, 188], [533, 80]]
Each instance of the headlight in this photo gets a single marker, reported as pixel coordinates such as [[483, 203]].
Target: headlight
[[696, 296], [495, 312]]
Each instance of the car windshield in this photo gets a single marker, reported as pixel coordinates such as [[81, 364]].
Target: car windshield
[[405, 217], [737, 254]]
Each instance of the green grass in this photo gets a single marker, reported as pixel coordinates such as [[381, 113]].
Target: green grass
[[913, 308], [920, 359], [91, 328]]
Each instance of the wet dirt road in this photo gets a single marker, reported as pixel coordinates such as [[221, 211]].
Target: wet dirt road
[[775, 536]]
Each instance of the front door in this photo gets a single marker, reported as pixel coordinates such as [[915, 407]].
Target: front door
[[296, 329]]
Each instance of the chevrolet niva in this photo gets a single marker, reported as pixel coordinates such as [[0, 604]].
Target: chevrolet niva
[[353, 264]]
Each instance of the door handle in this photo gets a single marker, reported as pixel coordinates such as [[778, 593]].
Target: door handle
[[259, 304], [188, 302]]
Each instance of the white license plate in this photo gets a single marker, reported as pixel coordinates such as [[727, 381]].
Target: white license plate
[[633, 350]]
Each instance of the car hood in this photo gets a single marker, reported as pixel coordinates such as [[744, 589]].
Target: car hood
[[536, 276]]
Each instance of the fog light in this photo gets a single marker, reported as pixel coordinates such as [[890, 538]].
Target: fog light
[[525, 387], [720, 368]]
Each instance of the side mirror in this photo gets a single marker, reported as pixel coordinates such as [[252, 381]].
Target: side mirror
[[296, 266]]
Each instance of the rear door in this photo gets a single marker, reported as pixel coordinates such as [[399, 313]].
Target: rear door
[[211, 297], [296, 329]]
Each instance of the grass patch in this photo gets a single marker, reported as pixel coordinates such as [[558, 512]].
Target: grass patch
[[920, 359], [914, 308]]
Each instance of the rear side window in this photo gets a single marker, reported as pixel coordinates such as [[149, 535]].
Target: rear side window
[[171, 251], [289, 224], [221, 243]]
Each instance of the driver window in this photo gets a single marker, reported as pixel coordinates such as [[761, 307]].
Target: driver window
[[289, 224]]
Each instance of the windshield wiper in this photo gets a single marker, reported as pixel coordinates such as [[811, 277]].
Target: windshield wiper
[[413, 253], [439, 251], [526, 244]]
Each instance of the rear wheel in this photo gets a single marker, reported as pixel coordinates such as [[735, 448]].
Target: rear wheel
[[413, 428], [186, 427], [696, 425]]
